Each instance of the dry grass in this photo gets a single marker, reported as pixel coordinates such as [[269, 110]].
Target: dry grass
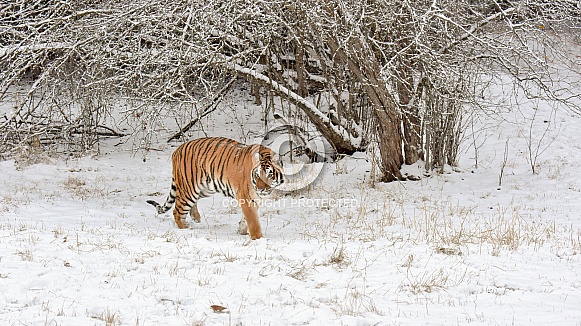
[[32, 153], [444, 224], [425, 282], [80, 188], [355, 302], [339, 257], [26, 254]]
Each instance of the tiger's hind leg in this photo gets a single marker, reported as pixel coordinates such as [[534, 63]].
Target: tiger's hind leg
[[195, 214], [180, 214], [180, 217], [181, 210]]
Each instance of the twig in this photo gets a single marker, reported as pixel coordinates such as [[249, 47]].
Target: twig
[[503, 165]]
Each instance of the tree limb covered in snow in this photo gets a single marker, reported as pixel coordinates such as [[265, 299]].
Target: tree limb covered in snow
[[339, 136]]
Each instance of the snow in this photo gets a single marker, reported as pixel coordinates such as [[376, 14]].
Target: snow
[[80, 246]]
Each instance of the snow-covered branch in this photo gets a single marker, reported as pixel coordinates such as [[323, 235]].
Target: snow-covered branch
[[339, 134]]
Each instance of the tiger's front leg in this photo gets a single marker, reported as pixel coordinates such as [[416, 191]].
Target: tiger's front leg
[[252, 225]]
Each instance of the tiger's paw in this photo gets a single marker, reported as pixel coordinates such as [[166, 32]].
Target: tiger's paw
[[256, 236], [242, 227], [195, 216], [181, 224]]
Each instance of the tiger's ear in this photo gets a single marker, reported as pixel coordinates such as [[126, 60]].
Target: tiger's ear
[[255, 158]]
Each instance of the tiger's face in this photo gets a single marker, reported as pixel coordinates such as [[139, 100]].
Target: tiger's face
[[267, 173]]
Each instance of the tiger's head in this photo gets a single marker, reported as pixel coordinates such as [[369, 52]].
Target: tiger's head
[[267, 172]]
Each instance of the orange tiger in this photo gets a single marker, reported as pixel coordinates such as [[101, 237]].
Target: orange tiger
[[205, 166]]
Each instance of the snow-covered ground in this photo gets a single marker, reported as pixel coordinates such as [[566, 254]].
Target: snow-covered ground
[[80, 246]]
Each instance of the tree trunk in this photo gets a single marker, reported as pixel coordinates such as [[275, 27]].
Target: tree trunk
[[389, 147], [411, 123], [300, 69], [366, 69]]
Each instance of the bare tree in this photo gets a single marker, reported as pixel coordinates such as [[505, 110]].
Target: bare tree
[[404, 74], [419, 66], [70, 64]]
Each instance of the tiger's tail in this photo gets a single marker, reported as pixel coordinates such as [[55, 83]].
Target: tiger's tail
[[171, 198]]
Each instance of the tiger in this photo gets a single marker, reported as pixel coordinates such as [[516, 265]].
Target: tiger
[[205, 166]]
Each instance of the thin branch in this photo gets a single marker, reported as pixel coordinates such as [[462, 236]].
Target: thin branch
[[211, 107]]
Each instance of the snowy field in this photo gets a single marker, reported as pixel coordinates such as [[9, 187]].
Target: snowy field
[[80, 246]]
